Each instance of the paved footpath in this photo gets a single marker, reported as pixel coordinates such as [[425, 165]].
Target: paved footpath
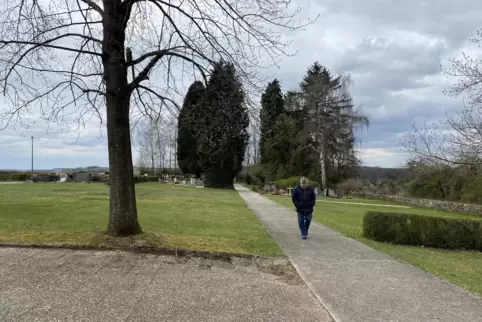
[[67, 285], [357, 283]]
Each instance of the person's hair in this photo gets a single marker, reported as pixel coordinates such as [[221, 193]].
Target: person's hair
[[303, 180]]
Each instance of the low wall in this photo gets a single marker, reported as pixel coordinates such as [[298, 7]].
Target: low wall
[[427, 203]]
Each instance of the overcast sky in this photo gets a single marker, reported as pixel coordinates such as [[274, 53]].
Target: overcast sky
[[392, 50]]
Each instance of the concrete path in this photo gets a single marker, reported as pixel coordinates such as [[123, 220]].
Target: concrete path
[[67, 285], [357, 283]]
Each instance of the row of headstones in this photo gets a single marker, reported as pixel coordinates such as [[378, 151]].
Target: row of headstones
[[192, 181], [330, 193]]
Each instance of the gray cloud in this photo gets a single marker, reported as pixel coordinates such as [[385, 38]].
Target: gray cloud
[[392, 50]]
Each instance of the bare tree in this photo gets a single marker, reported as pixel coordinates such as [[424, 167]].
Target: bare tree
[[148, 142], [70, 58], [458, 139]]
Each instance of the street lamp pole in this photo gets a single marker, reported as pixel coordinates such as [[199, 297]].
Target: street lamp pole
[[32, 154]]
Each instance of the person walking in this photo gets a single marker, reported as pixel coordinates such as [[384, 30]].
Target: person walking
[[304, 199]]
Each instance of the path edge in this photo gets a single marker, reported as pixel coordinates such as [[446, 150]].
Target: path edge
[[177, 252], [298, 271]]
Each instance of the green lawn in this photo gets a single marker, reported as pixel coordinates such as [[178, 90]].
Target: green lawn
[[172, 216], [459, 267]]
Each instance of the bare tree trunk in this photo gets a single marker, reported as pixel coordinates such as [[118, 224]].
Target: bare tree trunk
[[153, 161], [123, 211], [175, 151], [159, 146], [170, 156], [321, 144], [321, 150]]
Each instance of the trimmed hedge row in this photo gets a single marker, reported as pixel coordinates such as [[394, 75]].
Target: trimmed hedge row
[[139, 179], [293, 181], [15, 176], [416, 230]]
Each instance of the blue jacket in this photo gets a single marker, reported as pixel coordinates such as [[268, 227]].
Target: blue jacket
[[304, 200]]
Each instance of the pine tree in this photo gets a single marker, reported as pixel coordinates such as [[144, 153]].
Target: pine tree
[[188, 129], [272, 106], [223, 134]]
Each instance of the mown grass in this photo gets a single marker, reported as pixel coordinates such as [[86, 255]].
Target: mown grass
[[462, 268], [171, 216]]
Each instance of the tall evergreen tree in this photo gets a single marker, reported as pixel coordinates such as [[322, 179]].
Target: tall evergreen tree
[[279, 148], [272, 106], [187, 129], [224, 128], [329, 121]]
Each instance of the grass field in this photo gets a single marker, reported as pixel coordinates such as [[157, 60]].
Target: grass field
[[171, 216], [459, 267]]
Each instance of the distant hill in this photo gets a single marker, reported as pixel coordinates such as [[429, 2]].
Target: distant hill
[[93, 169]]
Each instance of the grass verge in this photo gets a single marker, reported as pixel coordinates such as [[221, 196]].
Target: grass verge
[[172, 217], [463, 268]]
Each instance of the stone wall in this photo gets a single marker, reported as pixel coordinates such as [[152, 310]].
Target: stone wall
[[426, 203]]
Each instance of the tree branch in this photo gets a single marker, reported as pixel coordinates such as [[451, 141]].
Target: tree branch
[[162, 98], [94, 6], [144, 74], [48, 45]]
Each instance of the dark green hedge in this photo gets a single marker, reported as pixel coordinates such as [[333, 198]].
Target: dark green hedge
[[412, 229], [139, 179], [15, 176], [293, 181]]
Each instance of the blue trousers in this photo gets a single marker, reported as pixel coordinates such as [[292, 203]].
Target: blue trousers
[[304, 221]]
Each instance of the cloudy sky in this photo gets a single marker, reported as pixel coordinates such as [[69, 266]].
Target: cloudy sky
[[392, 50]]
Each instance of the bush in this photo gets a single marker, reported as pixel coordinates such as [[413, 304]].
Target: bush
[[293, 181], [416, 230], [474, 192], [139, 179], [256, 174], [255, 188], [354, 185], [18, 176]]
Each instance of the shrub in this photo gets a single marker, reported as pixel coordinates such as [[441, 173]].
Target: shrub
[[139, 179], [18, 176], [416, 230], [153, 179], [255, 188], [293, 181], [474, 192], [353, 185], [256, 174]]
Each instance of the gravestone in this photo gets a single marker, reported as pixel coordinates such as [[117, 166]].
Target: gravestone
[[290, 189], [63, 177]]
